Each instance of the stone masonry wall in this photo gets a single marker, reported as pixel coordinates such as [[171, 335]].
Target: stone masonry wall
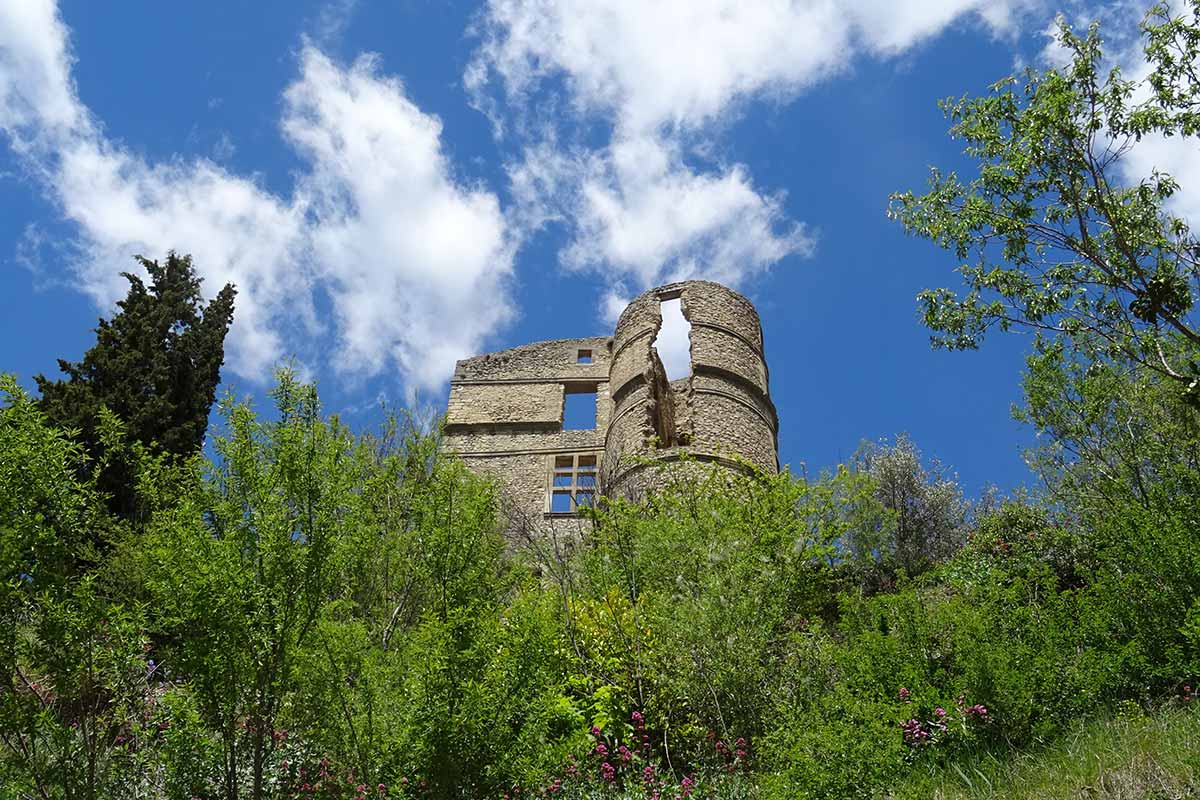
[[505, 419], [505, 414]]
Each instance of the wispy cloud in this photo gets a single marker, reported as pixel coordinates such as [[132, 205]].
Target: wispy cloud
[[664, 79], [377, 221], [332, 19]]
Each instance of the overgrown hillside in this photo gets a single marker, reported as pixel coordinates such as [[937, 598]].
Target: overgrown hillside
[[319, 614], [1125, 756]]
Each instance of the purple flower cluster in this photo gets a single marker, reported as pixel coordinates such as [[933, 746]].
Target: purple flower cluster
[[977, 711], [915, 733], [618, 763], [732, 756], [918, 733], [614, 759]]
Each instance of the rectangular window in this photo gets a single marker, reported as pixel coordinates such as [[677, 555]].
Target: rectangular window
[[572, 483], [584, 357], [579, 408]]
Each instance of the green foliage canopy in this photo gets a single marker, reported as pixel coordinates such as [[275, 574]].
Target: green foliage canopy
[[1050, 234]]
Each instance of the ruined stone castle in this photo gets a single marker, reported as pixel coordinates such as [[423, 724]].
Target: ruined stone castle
[[508, 411]]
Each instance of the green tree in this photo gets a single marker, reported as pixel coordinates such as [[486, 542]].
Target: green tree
[[680, 606], [1109, 436], [338, 606], [240, 566], [75, 705], [1051, 234], [924, 519], [155, 365]]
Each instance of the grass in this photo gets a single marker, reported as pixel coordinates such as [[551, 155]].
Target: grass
[[1129, 756]]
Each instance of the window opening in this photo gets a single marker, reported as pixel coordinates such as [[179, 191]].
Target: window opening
[[584, 357], [579, 408], [673, 342], [572, 483]]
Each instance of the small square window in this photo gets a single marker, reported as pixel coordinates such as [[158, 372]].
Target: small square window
[[584, 357]]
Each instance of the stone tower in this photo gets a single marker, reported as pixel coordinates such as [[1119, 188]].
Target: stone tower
[[511, 413], [722, 410]]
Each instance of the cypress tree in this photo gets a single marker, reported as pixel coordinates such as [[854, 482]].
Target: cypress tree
[[155, 365]]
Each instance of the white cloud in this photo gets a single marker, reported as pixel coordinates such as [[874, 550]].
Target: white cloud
[[684, 62], [612, 304], [888, 28], [646, 214], [378, 222], [1178, 156], [34, 68], [666, 76], [403, 249]]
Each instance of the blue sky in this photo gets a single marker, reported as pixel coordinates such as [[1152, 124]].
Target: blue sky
[[396, 184]]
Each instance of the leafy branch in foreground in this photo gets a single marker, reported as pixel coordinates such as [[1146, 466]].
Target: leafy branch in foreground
[[1049, 234]]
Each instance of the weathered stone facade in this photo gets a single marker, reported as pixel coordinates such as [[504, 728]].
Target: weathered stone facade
[[506, 410]]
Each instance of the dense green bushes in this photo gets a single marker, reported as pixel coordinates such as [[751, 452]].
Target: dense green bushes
[[318, 614], [313, 609], [313, 613]]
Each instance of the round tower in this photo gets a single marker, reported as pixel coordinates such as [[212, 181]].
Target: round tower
[[721, 412]]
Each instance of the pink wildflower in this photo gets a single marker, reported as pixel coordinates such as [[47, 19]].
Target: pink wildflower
[[914, 733]]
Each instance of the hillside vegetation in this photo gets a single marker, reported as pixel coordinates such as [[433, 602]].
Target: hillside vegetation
[[318, 614]]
